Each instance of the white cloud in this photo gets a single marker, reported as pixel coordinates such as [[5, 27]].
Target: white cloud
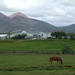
[[14, 4], [56, 12]]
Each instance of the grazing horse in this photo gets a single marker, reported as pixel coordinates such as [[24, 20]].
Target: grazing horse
[[58, 59]]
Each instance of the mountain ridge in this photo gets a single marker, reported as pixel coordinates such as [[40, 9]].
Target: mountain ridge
[[19, 21]]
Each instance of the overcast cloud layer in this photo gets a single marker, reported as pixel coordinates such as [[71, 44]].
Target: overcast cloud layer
[[56, 12]]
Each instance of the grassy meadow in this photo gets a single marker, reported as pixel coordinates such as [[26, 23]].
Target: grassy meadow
[[33, 64], [35, 45], [54, 72]]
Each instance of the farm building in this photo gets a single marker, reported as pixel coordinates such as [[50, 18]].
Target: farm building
[[49, 35], [40, 35], [3, 36], [18, 33]]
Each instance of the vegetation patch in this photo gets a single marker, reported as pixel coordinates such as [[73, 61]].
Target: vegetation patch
[[51, 46]]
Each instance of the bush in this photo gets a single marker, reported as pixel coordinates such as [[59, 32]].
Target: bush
[[20, 36], [67, 50]]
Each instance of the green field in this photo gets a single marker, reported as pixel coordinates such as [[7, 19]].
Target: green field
[[35, 45], [33, 64], [64, 72], [12, 63]]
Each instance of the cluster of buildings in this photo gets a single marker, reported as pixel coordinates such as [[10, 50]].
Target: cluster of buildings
[[3, 36], [32, 36]]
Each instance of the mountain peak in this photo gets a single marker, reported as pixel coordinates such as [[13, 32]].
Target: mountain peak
[[18, 14]]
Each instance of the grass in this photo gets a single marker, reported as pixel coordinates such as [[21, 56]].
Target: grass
[[35, 45], [38, 73], [32, 60], [33, 64]]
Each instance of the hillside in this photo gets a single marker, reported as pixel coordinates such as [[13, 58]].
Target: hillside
[[19, 21], [69, 29]]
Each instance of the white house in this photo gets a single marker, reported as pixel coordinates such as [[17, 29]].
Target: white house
[[29, 35], [3, 36], [18, 33], [49, 35], [23, 32], [42, 35]]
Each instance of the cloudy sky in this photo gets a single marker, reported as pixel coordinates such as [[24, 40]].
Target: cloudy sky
[[56, 12]]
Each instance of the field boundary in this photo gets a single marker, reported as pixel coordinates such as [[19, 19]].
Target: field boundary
[[29, 52], [32, 68]]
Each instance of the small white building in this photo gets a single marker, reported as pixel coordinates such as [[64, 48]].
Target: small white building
[[29, 35], [23, 32], [3, 36], [49, 35], [18, 33], [42, 35]]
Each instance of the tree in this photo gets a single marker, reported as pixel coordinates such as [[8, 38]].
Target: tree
[[72, 36], [59, 35], [53, 34], [20, 36]]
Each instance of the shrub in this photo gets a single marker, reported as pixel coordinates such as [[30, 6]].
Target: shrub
[[67, 50], [20, 36]]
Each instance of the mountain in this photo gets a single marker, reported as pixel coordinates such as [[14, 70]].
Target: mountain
[[18, 14], [5, 23], [19, 21], [69, 28]]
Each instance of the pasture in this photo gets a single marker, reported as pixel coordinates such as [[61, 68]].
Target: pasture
[[51, 45], [33, 64]]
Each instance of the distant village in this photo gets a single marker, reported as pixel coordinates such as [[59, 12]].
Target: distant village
[[36, 36], [31, 36]]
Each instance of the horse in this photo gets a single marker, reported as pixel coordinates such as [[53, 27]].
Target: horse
[[58, 59]]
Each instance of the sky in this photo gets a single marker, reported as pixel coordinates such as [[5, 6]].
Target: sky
[[55, 12]]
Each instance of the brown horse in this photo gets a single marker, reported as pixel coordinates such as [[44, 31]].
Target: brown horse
[[58, 59]]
